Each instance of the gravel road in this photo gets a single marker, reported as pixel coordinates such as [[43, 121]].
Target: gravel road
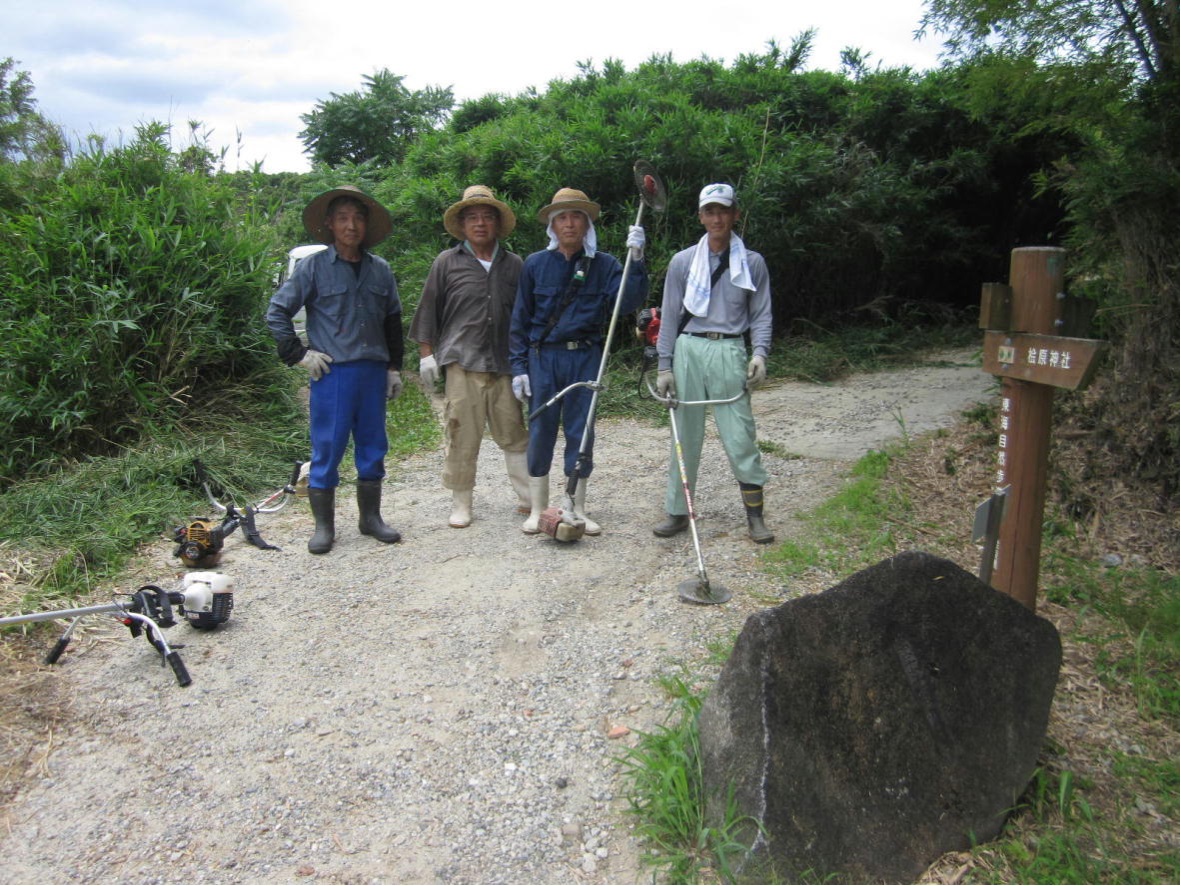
[[445, 710]]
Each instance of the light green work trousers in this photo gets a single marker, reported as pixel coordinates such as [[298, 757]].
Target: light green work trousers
[[706, 369]]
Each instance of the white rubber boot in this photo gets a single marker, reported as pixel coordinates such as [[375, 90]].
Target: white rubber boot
[[538, 502], [518, 475], [592, 528], [461, 509]]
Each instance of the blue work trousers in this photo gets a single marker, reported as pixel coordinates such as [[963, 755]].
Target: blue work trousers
[[550, 370], [348, 401]]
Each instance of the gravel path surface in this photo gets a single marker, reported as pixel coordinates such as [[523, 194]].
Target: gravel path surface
[[445, 710]]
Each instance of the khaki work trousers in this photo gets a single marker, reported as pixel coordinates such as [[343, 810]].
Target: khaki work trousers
[[474, 401]]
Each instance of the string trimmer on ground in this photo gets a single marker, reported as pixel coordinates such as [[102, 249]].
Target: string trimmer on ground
[[205, 601], [199, 542]]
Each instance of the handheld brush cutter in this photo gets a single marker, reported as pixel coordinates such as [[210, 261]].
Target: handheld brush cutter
[[699, 589], [561, 523], [199, 542], [205, 601]]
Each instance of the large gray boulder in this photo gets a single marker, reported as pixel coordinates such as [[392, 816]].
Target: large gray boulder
[[874, 726]]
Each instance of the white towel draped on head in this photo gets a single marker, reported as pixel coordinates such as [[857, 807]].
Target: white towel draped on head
[[698, 286], [590, 243]]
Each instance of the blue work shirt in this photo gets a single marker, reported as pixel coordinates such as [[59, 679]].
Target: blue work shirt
[[350, 316], [544, 278]]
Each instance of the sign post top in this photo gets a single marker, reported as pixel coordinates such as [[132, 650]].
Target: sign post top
[[1054, 360]]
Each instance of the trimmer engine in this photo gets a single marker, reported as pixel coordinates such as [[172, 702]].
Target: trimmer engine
[[199, 543], [208, 599]]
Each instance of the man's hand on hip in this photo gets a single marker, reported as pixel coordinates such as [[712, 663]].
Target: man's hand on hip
[[316, 363]]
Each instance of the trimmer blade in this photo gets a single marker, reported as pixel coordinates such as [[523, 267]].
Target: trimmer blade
[[696, 590], [561, 524]]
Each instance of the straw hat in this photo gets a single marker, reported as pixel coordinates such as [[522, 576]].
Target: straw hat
[[378, 225], [569, 198], [478, 195]]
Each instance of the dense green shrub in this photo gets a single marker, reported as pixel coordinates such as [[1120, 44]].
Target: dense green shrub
[[130, 291]]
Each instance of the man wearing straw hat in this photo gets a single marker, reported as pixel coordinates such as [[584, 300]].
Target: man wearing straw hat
[[354, 352], [715, 293], [462, 327], [564, 301]]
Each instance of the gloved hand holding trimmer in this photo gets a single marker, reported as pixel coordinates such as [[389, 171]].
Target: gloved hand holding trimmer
[[635, 242], [665, 386]]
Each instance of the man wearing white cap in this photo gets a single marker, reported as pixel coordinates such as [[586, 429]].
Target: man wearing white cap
[[354, 352], [715, 294], [462, 326], [564, 301]]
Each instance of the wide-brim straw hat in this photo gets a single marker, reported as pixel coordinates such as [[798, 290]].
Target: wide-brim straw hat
[[377, 227], [569, 198], [478, 195]]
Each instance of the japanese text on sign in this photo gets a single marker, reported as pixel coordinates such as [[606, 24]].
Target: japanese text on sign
[[1002, 455], [1047, 357]]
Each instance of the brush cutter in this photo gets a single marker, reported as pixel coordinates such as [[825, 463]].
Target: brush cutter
[[199, 542], [205, 601], [693, 590], [561, 523]]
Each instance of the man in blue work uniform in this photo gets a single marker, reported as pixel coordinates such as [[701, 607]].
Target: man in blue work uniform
[[354, 352], [715, 293], [565, 297]]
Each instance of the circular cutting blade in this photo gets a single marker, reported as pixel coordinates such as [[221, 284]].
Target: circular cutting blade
[[694, 590], [650, 186]]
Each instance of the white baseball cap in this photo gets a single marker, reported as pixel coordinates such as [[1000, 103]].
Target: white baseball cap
[[717, 193]]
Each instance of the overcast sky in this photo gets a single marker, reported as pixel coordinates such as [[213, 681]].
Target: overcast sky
[[252, 67]]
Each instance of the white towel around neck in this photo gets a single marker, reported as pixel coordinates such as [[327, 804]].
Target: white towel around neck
[[590, 242], [698, 287]]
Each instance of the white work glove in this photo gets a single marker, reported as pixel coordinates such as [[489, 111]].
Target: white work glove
[[316, 363], [393, 384], [756, 371], [665, 386], [521, 389], [428, 370], [636, 241]]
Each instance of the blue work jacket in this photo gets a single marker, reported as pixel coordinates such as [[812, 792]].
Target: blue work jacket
[[543, 282]]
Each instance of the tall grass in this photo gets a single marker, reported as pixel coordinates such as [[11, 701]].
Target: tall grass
[[78, 525], [129, 294]]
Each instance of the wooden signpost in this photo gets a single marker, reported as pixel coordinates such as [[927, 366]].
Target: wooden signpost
[[1031, 343]]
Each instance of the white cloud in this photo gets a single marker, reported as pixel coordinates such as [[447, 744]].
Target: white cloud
[[253, 67]]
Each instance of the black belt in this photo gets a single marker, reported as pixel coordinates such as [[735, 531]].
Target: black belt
[[569, 345], [714, 336]]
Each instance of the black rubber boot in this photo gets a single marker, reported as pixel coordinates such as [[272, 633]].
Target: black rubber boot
[[752, 500], [369, 505], [672, 525], [323, 502]]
